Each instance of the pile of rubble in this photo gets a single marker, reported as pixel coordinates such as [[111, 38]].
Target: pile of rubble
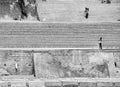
[[19, 10]]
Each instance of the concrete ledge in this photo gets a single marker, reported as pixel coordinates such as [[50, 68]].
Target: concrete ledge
[[105, 84], [96, 82]]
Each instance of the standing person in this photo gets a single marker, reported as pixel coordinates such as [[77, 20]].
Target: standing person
[[16, 68], [86, 12], [100, 43]]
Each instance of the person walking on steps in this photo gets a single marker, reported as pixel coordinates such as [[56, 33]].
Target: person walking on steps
[[86, 12], [100, 43]]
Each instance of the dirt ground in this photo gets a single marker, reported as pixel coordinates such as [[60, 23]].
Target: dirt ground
[[73, 11]]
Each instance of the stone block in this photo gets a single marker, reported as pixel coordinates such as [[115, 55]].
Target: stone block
[[117, 84], [105, 84], [18, 84], [36, 84], [70, 84], [87, 84], [53, 84], [3, 84]]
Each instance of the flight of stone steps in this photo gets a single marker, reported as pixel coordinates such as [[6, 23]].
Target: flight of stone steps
[[60, 35]]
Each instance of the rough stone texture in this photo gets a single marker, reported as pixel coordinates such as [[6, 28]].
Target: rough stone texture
[[36, 84], [86, 84], [105, 84], [63, 63], [10, 10], [4, 9], [3, 84], [18, 84], [49, 84], [60, 63], [8, 59], [117, 84]]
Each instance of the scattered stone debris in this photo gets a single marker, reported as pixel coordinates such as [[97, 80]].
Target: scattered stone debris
[[21, 10], [71, 64], [60, 64], [3, 72]]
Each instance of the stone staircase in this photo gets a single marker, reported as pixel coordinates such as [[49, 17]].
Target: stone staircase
[[60, 35]]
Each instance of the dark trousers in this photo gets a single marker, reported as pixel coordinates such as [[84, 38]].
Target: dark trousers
[[100, 46], [16, 71], [86, 15]]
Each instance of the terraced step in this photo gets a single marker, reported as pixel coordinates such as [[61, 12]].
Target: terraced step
[[59, 34]]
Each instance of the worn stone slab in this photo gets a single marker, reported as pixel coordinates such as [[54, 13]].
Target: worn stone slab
[[3, 84], [36, 84], [117, 84], [18, 84], [87, 84], [70, 85], [48, 84], [105, 84]]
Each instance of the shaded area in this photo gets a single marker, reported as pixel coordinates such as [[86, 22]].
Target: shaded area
[[18, 10]]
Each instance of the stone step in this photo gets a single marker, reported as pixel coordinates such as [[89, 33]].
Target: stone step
[[58, 83], [59, 34]]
